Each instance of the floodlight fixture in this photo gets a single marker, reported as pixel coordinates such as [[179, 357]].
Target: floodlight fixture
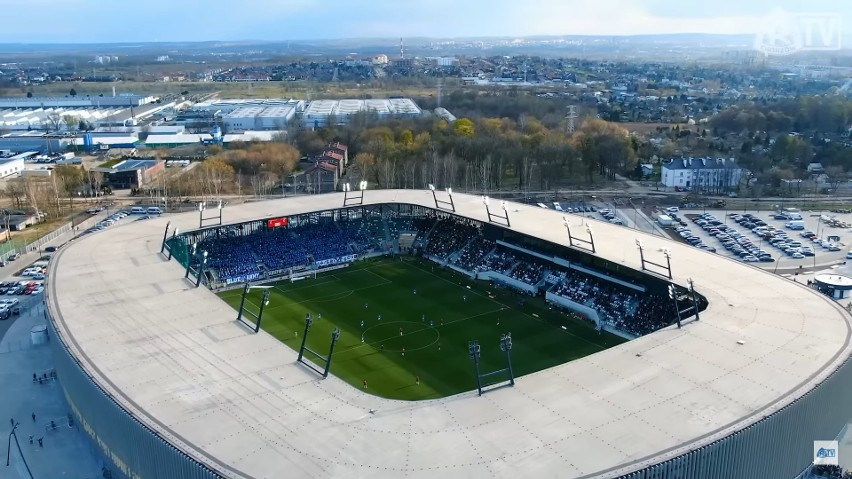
[[431, 187], [346, 187], [485, 200], [504, 205], [449, 191], [362, 185]]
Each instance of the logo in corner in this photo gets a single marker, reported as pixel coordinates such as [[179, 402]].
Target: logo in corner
[[784, 33], [825, 453]]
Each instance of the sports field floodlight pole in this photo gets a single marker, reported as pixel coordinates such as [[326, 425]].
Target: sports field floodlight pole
[[673, 297], [641, 246], [506, 346], [441, 204], [668, 254], [165, 236], [201, 214], [174, 234], [503, 205], [591, 237], [475, 352], [335, 335], [189, 260], [263, 304], [202, 265], [580, 243], [243, 300], [694, 297], [308, 321], [505, 208]]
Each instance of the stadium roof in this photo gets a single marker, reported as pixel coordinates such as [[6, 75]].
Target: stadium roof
[[175, 357]]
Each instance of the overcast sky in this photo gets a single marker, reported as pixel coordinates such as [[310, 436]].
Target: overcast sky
[[92, 21]]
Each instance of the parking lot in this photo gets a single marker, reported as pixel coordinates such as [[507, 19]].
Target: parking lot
[[772, 240]]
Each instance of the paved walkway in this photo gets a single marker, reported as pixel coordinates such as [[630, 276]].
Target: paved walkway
[[66, 451]]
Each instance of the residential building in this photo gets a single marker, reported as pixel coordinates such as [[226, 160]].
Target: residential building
[[713, 175]]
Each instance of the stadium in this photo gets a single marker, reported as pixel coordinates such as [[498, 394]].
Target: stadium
[[169, 381]]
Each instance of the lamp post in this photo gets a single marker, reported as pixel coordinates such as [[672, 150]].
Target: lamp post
[[13, 434]]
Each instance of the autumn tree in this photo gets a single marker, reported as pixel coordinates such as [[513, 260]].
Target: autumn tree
[[605, 148]]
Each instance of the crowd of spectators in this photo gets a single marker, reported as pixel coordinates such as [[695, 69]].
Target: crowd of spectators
[[529, 270], [627, 310], [473, 254], [829, 472], [449, 236], [500, 261], [231, 259]]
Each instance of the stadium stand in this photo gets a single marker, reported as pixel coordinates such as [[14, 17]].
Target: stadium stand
[[277, 251]]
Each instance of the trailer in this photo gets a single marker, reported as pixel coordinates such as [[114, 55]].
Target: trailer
[[665, 220]]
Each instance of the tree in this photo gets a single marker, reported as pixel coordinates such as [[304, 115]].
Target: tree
[[52, 121], [71, 178], [604, 147], [72, 123], [464, 127], [73, 92]]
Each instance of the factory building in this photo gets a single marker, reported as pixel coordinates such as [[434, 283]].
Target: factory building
[[318, 112], [123, 100], [224, 107], [258, 118]]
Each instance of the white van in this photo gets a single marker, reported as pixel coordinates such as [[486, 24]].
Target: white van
[[137, 210], [154, 211], [795, 225], [794, 216]]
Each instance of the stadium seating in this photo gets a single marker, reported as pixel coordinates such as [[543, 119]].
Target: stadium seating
[[619, 307], [448, 237], [240, 258]]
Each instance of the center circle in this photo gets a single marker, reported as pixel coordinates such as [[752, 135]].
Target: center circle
[[415, 335]]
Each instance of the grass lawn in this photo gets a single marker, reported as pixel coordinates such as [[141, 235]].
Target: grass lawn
[[447, 310]]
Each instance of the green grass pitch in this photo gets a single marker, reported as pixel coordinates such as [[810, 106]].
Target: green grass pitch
[[436, 322]]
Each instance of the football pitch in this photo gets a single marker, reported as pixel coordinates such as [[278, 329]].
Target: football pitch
[[417, 320]]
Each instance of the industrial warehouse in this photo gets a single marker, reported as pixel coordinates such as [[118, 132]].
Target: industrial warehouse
[[55, 124]]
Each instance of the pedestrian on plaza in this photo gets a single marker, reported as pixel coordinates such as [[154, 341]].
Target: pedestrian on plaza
[[417, 380], [33, 417], [40, 443], [365, 384]]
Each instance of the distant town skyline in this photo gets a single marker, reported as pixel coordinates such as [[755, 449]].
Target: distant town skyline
[[96, 21]]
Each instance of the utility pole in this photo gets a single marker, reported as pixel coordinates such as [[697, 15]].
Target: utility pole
[[570, 118]]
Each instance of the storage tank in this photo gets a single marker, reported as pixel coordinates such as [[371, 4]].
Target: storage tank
[[88, 140]]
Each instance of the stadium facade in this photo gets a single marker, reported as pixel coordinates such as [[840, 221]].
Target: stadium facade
[[166, 383]]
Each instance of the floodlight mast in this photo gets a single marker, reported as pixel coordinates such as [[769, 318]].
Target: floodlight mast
[[350, 197], [694, 298], [174, 235], [491, 216], [443, 204], [217, 217], [165, 237], [673, 297], [644, 262], [579, 243]]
